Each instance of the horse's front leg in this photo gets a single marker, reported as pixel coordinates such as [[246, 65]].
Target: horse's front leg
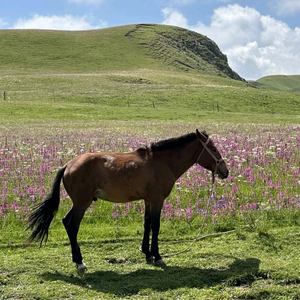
[[155, 225], [147, 229]]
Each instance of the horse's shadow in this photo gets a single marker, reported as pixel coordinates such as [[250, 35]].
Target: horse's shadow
[[240, 272]]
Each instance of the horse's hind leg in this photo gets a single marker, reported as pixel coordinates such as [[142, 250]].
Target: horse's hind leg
[[72, 222]]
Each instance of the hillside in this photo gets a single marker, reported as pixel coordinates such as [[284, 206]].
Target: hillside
[[287, 83], [124, 48], [134, 72]]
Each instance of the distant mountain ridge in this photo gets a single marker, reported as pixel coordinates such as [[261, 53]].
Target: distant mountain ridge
[[139, 46], [287, 83]]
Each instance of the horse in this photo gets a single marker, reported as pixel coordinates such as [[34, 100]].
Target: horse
[[148, 173]]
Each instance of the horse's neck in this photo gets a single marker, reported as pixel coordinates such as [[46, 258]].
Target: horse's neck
[[180, 160]]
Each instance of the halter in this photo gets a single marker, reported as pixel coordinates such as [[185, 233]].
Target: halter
[[218, 161]]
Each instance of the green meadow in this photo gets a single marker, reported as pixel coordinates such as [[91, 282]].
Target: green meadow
[[142, 95], [111, 89]]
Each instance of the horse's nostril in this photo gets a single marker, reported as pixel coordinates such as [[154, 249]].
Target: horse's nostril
[[223, 173]]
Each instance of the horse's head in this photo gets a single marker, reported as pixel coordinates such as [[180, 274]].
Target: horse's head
[[210, 157]]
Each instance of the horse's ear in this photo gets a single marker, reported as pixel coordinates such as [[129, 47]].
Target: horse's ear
[[198, 134]]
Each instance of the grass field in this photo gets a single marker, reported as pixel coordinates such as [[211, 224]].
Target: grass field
[[141, 95], [67, 106], [236, 266], [259, 260]]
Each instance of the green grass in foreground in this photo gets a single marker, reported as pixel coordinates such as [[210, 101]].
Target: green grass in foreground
[[240, 265]]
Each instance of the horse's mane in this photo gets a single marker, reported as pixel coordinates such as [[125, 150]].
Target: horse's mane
[[175, 142]]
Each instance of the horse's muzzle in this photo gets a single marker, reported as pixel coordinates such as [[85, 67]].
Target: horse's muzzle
[[222, 172]]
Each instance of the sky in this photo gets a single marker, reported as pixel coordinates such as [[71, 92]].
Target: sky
[[259, 37]]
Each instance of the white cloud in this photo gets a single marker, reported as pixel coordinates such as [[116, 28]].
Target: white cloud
[[174, 17], [256, 45], [87, 1], [286, 7], [55, 22]]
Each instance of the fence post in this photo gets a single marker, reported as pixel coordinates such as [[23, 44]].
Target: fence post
[[4, 96]]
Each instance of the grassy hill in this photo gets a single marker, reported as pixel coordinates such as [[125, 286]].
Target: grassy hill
[[134, 72], [288, 83], [131, 47]]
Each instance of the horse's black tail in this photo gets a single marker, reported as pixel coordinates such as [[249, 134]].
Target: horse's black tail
[[43, 213]]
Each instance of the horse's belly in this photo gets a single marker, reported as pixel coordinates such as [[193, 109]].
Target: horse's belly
[[122, 185], [101, 194], [118, 197]]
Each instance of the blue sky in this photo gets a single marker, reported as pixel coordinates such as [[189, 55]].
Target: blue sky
[[259, 37]]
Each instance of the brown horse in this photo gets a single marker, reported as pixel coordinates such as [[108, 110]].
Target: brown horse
[[148, 173]]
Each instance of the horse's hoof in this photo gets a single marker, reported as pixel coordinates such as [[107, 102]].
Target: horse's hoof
[[160, 263], [81, 268], [150, 260]]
